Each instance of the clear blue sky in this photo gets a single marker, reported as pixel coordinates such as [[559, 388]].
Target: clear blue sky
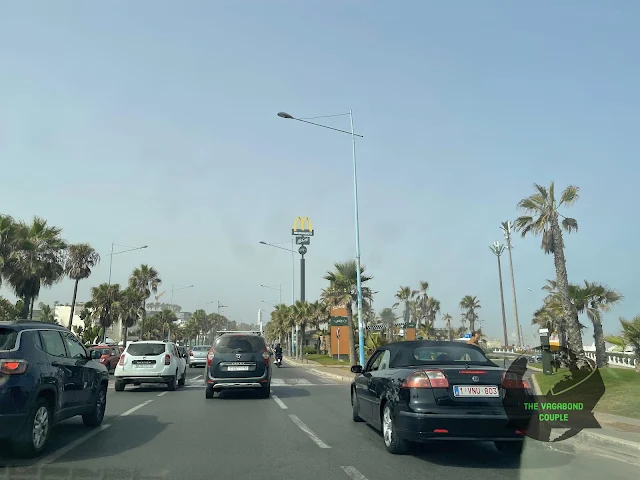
[[153, 122]]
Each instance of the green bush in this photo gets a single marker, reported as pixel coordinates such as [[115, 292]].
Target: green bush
[[309, 350]]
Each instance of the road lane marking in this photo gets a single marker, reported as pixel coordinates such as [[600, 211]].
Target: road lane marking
[[162, 393], [67, 448], [131, 410], [301, 425], [353, 473], [279, 402], [195, 378], [302, 381], [277, 381]]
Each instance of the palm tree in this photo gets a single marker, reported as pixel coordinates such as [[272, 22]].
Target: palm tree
[[301, 314], [404, 295], [388, 318], [469, 304], [37, 261], [130, 310], [542, 219], [146, 280], [8, 240], [446, 318], [105, 305], [631, 335], [81, 258], [46, 313], [421, 300], [343, 290]]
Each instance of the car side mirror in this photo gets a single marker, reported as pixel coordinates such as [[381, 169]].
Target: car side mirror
[[356, 369]]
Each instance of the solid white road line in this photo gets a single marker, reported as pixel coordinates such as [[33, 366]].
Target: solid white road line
[[195, 378], [162, 393], [278, 401], [353, 473], [301, 425], [131, 410], [67, 448]]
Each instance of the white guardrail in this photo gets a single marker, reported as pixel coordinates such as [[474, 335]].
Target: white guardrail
[[616, 359]]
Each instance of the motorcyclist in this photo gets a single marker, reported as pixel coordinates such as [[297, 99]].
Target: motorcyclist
[[278, 351]]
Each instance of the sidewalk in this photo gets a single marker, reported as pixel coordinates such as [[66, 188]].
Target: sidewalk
[[619, 437], [337, 372]]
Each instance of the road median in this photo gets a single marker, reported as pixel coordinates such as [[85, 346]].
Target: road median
[[336, 372]]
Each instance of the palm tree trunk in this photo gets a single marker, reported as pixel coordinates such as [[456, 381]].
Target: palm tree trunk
[[33, 300], [574, 336], [504, 315], [26, 303], [601, 349], [352, 339], [73, 303]]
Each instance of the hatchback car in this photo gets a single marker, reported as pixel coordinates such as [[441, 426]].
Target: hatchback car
[[238, 361], [108, 355], [151, 362], [46, 376], [417, 391]]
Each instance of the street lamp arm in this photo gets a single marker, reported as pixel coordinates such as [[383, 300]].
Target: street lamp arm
[[125, 251], [325, 126], [275, 246]]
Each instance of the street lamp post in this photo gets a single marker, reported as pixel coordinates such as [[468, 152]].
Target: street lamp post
[[506, 228], [129, 249], [357, 222], [274, 288], [497, 250], [293, 282], [175, 288]]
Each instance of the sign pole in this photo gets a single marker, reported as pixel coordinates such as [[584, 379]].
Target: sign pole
[[338, 335]]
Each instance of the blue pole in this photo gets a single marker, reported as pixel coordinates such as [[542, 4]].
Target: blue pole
[[358, 277]]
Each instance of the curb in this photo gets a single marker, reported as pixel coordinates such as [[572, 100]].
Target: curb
[[320, 372]]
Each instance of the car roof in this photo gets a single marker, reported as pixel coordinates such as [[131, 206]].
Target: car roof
[[148, 341], [31, 324]]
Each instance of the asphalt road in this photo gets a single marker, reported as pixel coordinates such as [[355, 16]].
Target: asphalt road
[[303, 431]]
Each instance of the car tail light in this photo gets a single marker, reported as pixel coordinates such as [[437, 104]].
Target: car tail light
[[13, 367], [167, 359], [426, 379], [210, 356], [266, 356], [511, 380], [121, 362], [191, 353]]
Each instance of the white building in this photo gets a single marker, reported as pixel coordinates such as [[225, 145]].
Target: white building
[[61, 314]]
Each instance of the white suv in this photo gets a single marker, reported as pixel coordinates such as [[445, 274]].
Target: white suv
[[151, 362]]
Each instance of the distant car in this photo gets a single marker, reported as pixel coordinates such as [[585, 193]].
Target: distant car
[[151, 362], [108, 355], [198, 356], [417, 391], [238, 361], [46, 376]]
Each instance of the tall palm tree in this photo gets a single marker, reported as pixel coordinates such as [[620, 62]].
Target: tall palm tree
[[146, 280], [81, 258], [388, 318], [105, 305], [421, 300], [8, 247], [130, 310], [542, 219], [469, 304], [301, 315], [343, 290], [404, 295], [446, 318], [631, 335], [37, 261]]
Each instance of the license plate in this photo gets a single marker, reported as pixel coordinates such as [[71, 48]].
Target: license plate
[[238, 368], [476, 391], [144, 365]]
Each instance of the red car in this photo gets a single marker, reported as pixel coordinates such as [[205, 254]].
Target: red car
[[108, 355]]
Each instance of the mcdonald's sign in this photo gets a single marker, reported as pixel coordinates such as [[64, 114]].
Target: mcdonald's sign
[[302, 226]]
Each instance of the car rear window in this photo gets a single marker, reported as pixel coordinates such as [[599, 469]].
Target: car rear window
[[239, 344], [144, 349], [439, 354], [201, 348], [8, 338], [100, 351]]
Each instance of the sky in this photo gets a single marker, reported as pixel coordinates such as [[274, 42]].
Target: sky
[[154, 123]]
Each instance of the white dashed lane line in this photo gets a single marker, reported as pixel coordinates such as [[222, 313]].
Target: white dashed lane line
[[302, 426], [162, 393], [353, 473], [278, 401], [137, 407]]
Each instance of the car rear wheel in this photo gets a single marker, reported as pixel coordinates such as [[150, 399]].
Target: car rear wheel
[[265, 391], [94, 417], [394, 444], [172, 384], [33, 439], [208, 393], [510, 449], [119, 386], [355, 408], [183, 378]]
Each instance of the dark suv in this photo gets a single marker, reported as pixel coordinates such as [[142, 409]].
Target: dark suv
[[239, 361], [46, 376]]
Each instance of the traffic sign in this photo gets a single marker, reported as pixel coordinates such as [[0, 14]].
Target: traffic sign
[[302, 250], [303, 240], [467, 335]]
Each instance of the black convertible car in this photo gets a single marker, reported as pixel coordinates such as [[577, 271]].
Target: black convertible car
[[417, 391]]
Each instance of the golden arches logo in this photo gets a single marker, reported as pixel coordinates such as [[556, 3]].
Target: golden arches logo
[[302, 226]]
